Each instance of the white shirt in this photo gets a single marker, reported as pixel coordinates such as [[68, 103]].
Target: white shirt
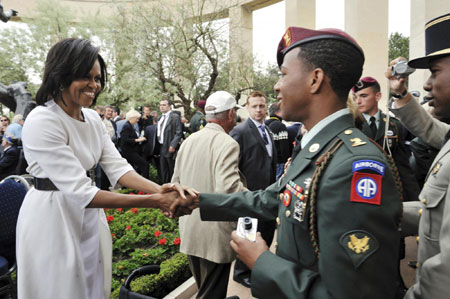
[[162, 123]]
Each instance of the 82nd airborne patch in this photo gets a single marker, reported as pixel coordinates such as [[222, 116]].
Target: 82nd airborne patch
[[366, 188]]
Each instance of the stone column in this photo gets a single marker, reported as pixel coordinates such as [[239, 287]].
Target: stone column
[[241, 46], [422, 11], [367, 22], [301, 13]]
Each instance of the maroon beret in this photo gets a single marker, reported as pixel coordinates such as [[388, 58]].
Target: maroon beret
[[364, 83], [201, 104], [296, 36]]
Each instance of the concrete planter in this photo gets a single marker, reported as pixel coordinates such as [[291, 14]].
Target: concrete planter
[[185, 291]]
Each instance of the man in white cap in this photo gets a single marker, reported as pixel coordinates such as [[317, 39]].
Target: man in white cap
[[208, 162]]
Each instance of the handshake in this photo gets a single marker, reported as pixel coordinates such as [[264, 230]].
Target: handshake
[[176, 200]]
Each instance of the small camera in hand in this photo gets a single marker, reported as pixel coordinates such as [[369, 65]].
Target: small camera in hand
[[401, 69], [247, 228]]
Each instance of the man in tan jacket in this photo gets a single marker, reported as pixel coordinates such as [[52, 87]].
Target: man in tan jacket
[[208, 162]]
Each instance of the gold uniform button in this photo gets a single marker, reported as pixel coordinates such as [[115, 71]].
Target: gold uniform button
[[281, 196], [417, 239], [348, 132], [278, 221], [420, 212], [288, 213], [424, 201]]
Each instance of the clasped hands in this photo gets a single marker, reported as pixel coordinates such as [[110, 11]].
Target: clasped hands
[[177, 200]]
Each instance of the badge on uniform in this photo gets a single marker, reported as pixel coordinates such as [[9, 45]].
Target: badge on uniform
[[368, 165], [358, 245], [366, 188], [436, 168], [300, 202]]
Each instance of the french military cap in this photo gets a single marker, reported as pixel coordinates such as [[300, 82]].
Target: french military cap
[[364, 83], [296, 36], [437, 41]]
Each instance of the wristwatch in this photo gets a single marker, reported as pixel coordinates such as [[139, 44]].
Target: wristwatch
[[396, 96]]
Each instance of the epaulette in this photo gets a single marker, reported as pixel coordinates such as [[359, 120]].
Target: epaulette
[[356, 141]]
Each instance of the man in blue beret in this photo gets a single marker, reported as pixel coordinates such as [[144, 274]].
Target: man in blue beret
[[432, 213], [337, 206]]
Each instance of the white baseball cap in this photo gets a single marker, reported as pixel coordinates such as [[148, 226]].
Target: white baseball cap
[[220, 101]]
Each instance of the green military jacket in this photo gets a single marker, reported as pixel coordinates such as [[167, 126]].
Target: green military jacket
[[338, 236]]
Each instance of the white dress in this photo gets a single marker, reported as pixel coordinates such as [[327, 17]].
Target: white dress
[[63, 248]]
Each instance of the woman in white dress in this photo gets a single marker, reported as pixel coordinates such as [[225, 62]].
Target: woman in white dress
[[63, 241]]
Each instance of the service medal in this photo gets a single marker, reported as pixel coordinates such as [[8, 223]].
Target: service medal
[[287, 198]]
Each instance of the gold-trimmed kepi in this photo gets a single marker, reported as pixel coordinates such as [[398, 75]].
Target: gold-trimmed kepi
[[437, 41]]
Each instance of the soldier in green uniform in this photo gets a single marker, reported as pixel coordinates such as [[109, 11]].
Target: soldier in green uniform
[[337, 206], [198, 121]]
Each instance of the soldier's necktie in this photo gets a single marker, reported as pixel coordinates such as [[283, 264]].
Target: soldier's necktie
[[373, 127], [263, 134]]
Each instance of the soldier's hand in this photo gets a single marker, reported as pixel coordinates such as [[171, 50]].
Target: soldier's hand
[[396, 85], [247, 251], [171, 149]]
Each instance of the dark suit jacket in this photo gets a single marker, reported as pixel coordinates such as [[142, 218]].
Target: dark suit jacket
[[254, 162], [399, 154], [127, 139], [150, 133], [8, 161], [173, 132]]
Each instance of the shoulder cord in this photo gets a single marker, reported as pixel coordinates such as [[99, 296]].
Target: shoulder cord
[[395, 174], [321, 163]]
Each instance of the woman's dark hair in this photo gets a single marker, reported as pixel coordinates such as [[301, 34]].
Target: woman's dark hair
[[68, 60]]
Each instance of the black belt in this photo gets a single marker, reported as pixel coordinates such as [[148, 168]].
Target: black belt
[[45, 184]]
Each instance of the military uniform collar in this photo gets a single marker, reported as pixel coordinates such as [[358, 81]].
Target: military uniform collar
[[321, 125], [377, 117]]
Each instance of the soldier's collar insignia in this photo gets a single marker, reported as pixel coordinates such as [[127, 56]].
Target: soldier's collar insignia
[[436, 168], [358, 245], [314, 147], [357, 141]]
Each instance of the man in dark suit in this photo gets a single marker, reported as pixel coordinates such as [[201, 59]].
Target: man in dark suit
[[169, 133], [257, 162], [367, 95], [10, 156]]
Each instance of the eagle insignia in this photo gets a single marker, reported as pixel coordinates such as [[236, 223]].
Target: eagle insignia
[[358, 245]]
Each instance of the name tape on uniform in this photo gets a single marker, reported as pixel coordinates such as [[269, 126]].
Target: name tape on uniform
[[370, 165]]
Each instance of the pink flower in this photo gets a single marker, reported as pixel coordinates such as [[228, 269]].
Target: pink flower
[[134, 210], [177, 241], [140, 193], [131, 193], [128, 227], [157, 233], [163, 241], [113, 235], [110, 218], [119, 210]]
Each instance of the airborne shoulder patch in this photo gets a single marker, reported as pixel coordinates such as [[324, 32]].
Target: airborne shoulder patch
[[366, 188], [358, 245], [368, 165]]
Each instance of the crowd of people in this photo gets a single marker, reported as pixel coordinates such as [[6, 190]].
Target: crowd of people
[[342, 186]]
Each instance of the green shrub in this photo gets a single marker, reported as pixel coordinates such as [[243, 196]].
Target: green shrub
[[159, 285], [145, 237]]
